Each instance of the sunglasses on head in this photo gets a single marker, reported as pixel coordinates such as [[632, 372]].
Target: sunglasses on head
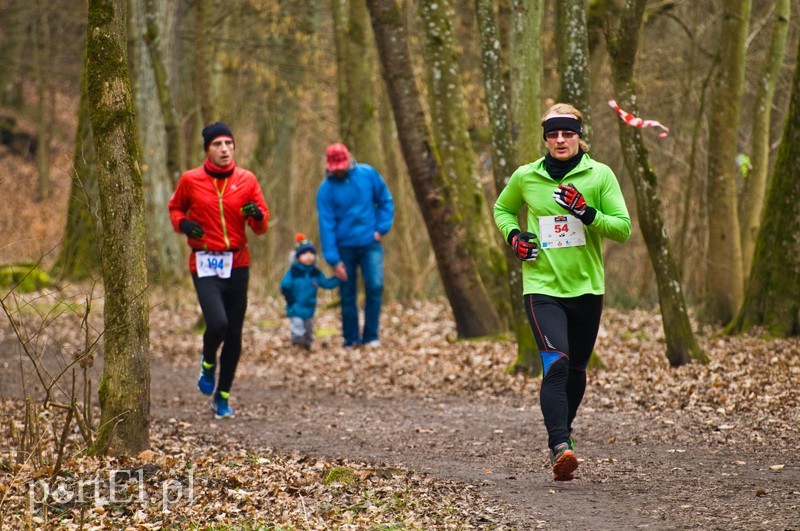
[[567, 135]]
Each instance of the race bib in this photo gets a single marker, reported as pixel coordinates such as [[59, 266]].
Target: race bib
[[561, 231], [211, 264]]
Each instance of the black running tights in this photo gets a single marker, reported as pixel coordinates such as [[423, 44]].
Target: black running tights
[[565, 330], [223, 302]]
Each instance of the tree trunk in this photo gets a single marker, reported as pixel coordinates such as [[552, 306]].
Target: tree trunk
[[154, 20], [773, 291], [755, 185], [41, 45], [166, 254], [12, 49], [723, 267], [455, 154], [124, 389], [358, 109], [79, 257], [572, 43], [472, 307], [681, 343], [527, 65], [503, 159]]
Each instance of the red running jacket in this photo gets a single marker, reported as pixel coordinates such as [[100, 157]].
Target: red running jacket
[[215, 205]]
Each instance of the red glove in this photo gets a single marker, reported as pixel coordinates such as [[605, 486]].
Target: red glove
[[569, 198], [524, 245]]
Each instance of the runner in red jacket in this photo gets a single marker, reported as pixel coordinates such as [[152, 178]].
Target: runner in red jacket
[[212, 205]]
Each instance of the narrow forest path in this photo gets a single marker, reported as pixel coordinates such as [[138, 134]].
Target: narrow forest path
[[698, 447], [649, 475]]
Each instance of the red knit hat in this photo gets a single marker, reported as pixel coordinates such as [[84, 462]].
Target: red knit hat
[[337, 157]]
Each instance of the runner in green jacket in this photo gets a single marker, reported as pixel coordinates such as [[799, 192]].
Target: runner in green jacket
[[573, 203]]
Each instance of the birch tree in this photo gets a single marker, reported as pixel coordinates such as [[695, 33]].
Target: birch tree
[[124, 389]]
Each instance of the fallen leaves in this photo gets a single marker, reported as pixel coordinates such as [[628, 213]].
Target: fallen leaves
[[747, 394]]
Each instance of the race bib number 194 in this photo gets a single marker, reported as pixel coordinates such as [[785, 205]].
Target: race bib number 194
[[561, 231], [211, 264]]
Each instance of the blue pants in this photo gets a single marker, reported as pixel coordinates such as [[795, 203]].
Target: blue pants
[[370, 260]]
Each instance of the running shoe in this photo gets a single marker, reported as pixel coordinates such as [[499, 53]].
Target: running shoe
[[564, 462], [220, 406], [206, 380]]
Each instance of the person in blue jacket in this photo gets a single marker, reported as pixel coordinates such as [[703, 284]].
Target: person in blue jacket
[[299, 287], [355, 211]]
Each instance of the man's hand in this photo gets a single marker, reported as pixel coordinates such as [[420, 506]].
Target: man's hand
[[251, 210], [340, 272], [377, 236], [524, 246], [191, 229], [570, 199]]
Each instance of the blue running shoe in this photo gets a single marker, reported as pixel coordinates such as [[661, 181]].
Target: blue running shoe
[[206, 381], [220, 406]]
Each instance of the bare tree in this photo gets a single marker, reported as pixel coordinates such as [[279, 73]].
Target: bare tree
[[454, 150], [160, 135], [773, 292], [125, 385], [504, 157], [527, 64], [623, 46], [572, 42], [751, 198], [79, 257], [723, 268], [471, 304]]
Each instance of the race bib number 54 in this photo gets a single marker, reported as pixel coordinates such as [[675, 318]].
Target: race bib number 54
[[561, 231], [211, 264]]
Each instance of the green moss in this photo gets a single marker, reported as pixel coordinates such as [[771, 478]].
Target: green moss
[[342, 475], [326, 332], [23, 277]]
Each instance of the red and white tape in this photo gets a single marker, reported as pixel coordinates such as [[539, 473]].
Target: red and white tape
[[632, 120]]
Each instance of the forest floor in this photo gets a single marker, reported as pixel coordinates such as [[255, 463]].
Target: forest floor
[[423, 432]]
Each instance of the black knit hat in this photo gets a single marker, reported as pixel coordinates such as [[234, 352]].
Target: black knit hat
[[302, 245], [212, 131]]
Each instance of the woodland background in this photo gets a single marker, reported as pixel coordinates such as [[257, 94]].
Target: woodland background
[[269, 68], [293, 76]]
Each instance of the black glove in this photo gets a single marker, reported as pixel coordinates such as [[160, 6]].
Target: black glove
[[191, 229], [569, 198], [524, 245], [251, 210]]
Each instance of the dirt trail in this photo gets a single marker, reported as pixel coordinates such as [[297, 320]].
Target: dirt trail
[[651, 477]]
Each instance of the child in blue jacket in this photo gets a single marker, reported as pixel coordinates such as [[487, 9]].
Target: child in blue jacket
[[299, 287]]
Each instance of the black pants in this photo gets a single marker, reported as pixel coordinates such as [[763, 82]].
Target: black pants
[[224, 302], [565, 330]]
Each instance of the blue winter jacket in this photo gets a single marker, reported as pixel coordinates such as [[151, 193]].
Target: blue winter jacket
[[299, 287], [351, 209]]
